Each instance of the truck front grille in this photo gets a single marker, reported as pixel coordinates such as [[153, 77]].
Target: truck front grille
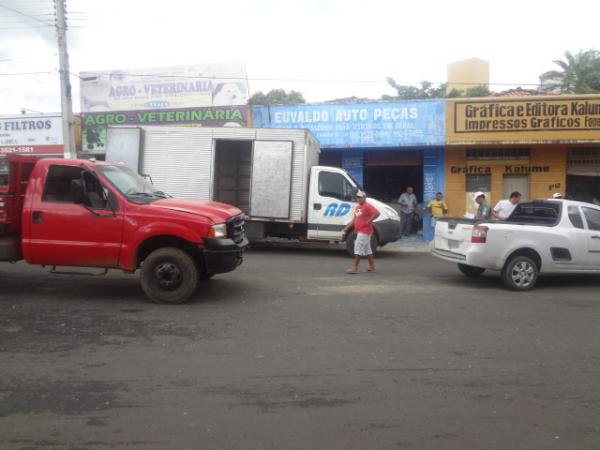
[[235, 228]]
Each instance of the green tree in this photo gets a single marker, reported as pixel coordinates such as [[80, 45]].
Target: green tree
[[429, 90], [477, 91], [409, 92], [277, 97], [579, 74]]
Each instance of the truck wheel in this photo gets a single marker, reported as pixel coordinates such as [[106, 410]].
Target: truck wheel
[[470, 271], [169, 275], [352, 238], [374, 243], [520, 273]]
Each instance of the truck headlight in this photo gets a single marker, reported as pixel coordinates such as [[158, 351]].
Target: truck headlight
[[217, 231]]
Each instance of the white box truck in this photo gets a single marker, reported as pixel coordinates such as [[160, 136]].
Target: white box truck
[[271, 174]]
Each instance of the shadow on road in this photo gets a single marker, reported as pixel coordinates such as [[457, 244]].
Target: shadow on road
[[492, 280], [114, 288]]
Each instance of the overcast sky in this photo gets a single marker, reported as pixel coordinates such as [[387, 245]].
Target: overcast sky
[[340, 47]]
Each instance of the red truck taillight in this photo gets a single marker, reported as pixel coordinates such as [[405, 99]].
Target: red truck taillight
[[479, 234]]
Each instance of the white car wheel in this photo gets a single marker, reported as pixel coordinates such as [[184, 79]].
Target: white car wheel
[[520, 273]]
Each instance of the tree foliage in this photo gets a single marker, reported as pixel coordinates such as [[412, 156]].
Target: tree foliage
[[428, 90], [476, 91], [579, 73], [277, 97]]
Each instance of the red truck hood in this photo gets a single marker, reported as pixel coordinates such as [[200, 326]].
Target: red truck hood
[[218, 212]]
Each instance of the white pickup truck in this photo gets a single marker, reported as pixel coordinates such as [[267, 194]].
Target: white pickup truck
[[541, 236]]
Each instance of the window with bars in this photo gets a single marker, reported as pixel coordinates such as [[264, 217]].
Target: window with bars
[[497, 153], [593, 152], [583, 156]]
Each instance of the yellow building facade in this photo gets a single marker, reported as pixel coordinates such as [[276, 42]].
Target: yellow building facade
[[535, 145]]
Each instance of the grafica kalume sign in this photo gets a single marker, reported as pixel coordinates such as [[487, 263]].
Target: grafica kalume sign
[[536, 119], [509, 169]]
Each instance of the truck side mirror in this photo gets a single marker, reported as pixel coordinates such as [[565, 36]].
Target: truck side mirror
[[77, 191]]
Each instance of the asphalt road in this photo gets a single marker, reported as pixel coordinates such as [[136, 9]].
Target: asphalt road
[[288, 352]]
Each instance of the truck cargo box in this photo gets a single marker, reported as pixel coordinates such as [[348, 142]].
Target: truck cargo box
[[262, 171]]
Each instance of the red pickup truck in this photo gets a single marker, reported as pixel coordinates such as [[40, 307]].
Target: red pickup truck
[[58, 212]]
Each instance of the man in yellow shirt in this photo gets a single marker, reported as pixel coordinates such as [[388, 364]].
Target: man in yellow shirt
[[437, 208]]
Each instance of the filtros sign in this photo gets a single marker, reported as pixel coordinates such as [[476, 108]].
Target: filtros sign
[[524, 116]]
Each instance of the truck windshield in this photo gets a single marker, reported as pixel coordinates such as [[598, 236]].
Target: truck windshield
[[358, 185], [130, 184]]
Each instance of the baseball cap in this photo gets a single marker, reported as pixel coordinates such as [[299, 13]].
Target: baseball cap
[[557, 195], [478, 194], [361, 194]]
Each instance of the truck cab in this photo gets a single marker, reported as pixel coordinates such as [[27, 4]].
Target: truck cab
[[85, 213], [331, 201]]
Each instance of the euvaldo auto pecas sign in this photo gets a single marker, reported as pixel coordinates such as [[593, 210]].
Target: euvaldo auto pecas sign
[[31, 134]]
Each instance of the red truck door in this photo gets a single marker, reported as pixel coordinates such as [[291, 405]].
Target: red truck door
[[66, 233]]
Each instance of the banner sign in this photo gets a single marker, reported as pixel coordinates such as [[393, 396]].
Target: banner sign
[[94, 125], [555, 119], [382, 124], [31, 134], [167, 87]]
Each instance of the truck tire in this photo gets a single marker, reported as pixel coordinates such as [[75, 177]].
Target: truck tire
[[169, 275], [470, 271], [520, 273], [352, 238]]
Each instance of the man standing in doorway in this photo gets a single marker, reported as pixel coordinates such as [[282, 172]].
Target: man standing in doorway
[[437, 208], [363, 216], [408, 203], [484, 211], [504, 208]]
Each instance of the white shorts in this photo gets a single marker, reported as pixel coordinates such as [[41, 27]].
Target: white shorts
[[362, 245]]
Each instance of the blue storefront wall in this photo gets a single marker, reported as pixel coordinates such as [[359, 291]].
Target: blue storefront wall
[[358, 128]]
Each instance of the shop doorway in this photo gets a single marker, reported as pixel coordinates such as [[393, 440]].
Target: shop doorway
[[388, 173], [386, 183], [583, 188], [583, 174], [512, 183]]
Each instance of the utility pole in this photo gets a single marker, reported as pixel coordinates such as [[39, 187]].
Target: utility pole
[[65, 81]]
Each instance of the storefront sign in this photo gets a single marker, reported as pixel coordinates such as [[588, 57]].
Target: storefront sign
[[509, 169], [31, 134], [168, 87], [555, 119], [408, 123], [94, 125]]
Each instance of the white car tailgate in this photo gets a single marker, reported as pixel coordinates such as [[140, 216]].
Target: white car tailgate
[[453, 235]]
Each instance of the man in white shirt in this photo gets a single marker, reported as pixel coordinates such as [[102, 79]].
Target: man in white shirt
[[504, 208], [408, 203]]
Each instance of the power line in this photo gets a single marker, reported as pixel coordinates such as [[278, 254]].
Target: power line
[[23, 73], [305, 80], [23, 14]]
